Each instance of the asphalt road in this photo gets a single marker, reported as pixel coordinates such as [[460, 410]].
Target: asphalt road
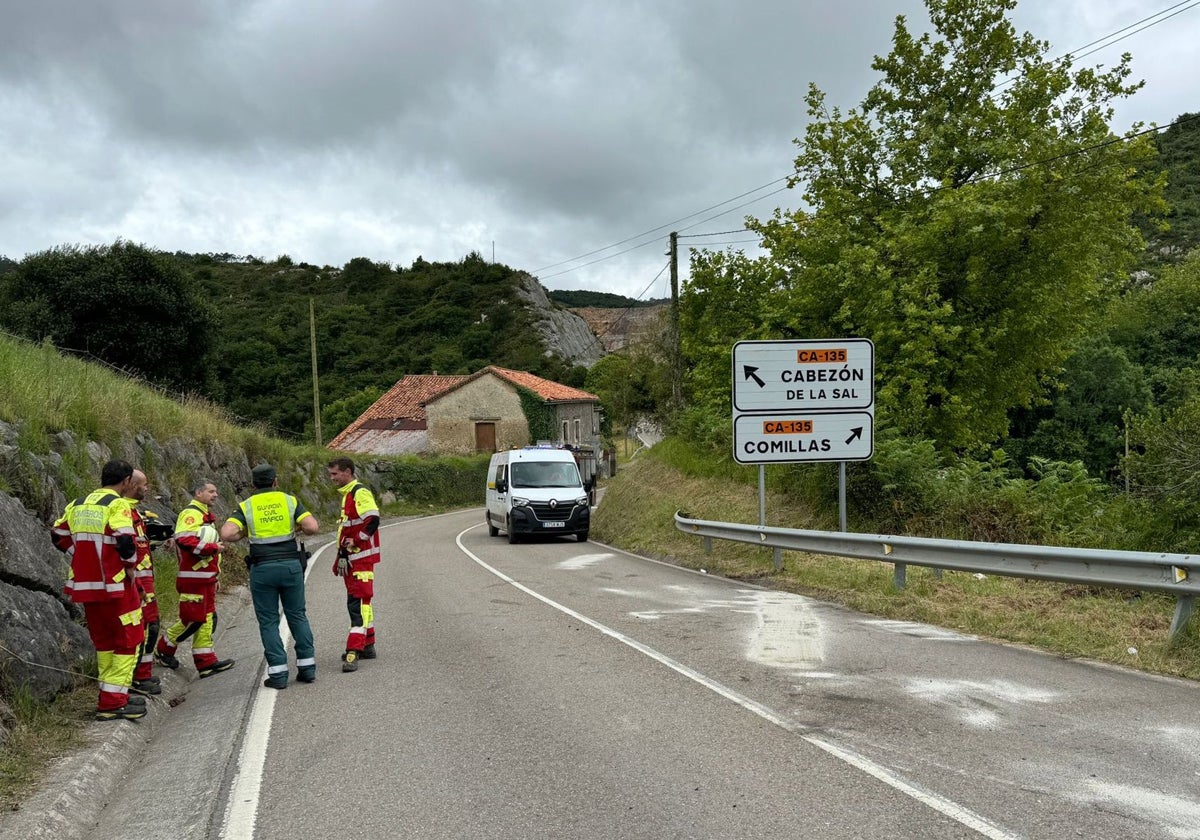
[[562, 689]]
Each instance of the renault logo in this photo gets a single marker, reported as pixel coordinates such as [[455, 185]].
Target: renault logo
[[553, 504]]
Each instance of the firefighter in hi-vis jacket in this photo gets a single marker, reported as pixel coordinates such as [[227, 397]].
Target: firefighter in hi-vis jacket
[[199, 549], [358, 552], [96, 531]]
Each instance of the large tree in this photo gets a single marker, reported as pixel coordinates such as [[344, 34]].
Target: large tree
[[125, 304], [967, 217]]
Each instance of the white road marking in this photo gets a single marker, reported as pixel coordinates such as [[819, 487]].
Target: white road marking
[[942, 805], [241, 811]]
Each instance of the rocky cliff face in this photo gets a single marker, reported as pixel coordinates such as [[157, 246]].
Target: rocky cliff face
[[618, 329], [563, 332]]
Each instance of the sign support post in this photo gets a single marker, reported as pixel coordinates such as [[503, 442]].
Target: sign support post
[[842, 495]]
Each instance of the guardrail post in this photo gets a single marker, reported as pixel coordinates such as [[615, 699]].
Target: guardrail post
[[898, 574], [778, 559], [707, 543], [1183, 610]]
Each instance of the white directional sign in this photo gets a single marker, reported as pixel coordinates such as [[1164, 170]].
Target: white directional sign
[[803, 401], [829, 375], [787, 437]]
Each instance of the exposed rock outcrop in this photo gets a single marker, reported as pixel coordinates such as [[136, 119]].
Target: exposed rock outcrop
[[41, 643], [620, 328], [563, 332], [27, 559]]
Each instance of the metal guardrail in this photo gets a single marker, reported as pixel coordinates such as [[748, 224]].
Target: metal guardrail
[[1158, 572]]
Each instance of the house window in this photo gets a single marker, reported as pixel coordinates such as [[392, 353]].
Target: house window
[[577, 430], [565, 439]]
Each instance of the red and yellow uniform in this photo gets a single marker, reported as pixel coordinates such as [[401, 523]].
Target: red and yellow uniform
[[199, 566], [98, 534], [358, 541], [144, 575]]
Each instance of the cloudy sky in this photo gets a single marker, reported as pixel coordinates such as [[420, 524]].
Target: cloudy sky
[[537, 132]]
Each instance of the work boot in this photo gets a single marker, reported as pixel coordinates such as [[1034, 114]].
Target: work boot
[[216, 668], [279, 684], [349, 661], [135, 700], [150, 686], [127, 712], [307, 675], [167, 660], [368, 652]]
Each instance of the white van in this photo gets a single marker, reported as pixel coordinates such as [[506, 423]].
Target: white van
[[536, 490]]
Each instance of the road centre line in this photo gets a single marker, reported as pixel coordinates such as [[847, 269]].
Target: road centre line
[[953, 810], [241, 811]]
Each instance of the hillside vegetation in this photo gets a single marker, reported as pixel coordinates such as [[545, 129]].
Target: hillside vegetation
[[236, 330]]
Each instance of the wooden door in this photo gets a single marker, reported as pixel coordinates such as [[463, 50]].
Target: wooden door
[[485, 437]]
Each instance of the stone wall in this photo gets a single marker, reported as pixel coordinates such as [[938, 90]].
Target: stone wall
[[578, 424], [452, 418]]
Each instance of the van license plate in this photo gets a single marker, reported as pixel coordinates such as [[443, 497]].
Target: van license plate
[[553, 524]]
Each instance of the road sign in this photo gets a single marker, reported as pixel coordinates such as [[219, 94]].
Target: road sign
[[785, 437], [826, 375]]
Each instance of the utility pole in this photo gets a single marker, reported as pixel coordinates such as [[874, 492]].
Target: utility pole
[[312, 334], [675, 351]]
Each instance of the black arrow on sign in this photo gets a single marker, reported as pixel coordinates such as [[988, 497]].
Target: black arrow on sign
[[855, 434], [752, 373]]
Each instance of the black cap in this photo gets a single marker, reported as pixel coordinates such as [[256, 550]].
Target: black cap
[[263, 475]]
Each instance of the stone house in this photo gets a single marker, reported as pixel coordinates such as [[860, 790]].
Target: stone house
[[480, 412]]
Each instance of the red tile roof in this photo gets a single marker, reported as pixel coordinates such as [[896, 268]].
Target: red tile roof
[[544, 388], [407, 398], [404, 401]]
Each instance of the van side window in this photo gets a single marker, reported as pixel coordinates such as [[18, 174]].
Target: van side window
[[501, 473]]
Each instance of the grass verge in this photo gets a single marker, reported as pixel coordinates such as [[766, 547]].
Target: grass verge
[[44, 731], [637, 515]]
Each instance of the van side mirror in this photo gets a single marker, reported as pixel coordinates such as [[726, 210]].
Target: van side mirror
[[501, 485]]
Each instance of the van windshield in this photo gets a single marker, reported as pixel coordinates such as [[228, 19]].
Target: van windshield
[[544, 474]]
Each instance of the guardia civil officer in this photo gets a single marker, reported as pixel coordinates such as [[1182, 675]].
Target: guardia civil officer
[[269, 518]]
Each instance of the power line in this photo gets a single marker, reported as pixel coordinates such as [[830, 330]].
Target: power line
[[738, 207], [1103, 42], [657, 229], [714, 233], [1077, 54], [597, 336], [1136, 31], [1110, 142]]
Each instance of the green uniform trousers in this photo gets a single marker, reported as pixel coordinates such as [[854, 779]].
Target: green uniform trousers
[[273, 582]]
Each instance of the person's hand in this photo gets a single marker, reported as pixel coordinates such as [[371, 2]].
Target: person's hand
[[341, 566]]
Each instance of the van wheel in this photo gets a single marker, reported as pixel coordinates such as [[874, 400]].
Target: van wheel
[[512, 535], [582, 536], [492, 529]]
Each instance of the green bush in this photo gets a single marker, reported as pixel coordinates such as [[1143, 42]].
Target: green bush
[[436, 482]]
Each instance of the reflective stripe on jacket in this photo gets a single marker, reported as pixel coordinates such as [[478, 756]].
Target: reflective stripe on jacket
[[88, 532]]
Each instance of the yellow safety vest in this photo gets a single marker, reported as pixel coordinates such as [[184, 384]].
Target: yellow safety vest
[[270, 521]]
